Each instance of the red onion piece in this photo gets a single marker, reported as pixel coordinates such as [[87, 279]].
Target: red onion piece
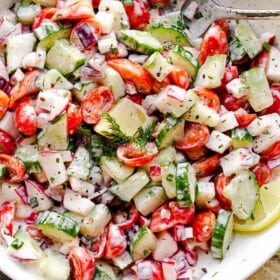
[[273, 163]]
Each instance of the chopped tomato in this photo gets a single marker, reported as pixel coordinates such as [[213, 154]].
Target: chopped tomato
[[100, 100], [116, 242], [262, 172], [136, 98], [74, 118], [15, 167], [220, 183], [26, 86], [7, 144], [231, 72], [149, 267], [46, 13], [85, 34], [232, 103], [181, 215], [272, 152], [197, 153], [82, 264], [25, 117], [74, 10], [98, 247], [223, 23], [196, 135], [158, 3], [133, 155], [158, 86], [203, 226], [208, 97], [126, 218], [208, 166], [179, 77], [134, 73], [7, 216], [138, 13], [275, 107], [214, 42], [245, 119], [4, 103], [261, 60]]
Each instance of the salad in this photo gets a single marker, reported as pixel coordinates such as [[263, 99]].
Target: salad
[[126, 145]]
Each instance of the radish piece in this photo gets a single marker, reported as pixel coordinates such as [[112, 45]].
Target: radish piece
[[123, 261], [55, 192], [66, 156], [23, 211], [37, 197], [7, 124], [166, 246], [9, 193], [75, 202]]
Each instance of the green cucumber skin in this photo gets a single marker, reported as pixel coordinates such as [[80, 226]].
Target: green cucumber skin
[[58, 221], [238, 140], [224, 222], [49, 41]]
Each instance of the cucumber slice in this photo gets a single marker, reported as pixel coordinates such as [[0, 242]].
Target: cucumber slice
[[165, 156], [259, 94], [26, 13], [210, 74], [18, 47], [222, 235], [164, 32], [58, 227], [131, 186], [243, 192], [64, 58], [140, 41], [169, 180], [148, 199], [95, 222], [143, 243], [117, 170], [29, 156], [241, 138], [185, 184], [103, 271], [236, 50], [54, 136], [184, 59], [205, 192], [251, 44], [172, 130]]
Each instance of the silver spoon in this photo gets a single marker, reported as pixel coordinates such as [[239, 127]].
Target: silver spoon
[[211, 10]]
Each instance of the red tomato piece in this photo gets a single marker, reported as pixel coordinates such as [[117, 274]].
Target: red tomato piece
[[232, 103], [126, 218], [214, 42], [179, 77], [245, 119], [196, 135], [181, 215], [25, 117], [220, 184], [231, 72], [134, 73], [100, 100], [7, 144], [149, 267], [46, 13], [272, 152], [275, 107], [15, 167], [158, 3], [209, 98], [85, 34], [4, 103], [82, 264], [26, 86], [95, 3], [74, 118], [208, 166], [74, 10], [116, 242], [262, 172], [203, 226], [261, 60], [158, 86], [136, 98], [223, 23], [162, 219], [197, 153], [7, 217], [133, 155], [98, 247], [138, 13]]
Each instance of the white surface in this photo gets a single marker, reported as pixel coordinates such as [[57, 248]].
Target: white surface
[[246, 254]]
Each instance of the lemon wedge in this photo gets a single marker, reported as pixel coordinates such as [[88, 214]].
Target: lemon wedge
[[267, 210]]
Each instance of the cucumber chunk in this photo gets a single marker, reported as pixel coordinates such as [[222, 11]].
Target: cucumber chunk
[[143, 243], [169, 180], [26, 13], [243, 192], [185, 184], [223, 234], [241, 138], [58, 227], [140, 41], [64, 58], [103, 271]]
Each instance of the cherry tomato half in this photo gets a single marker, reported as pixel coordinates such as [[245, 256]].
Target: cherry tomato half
[[181, 215], [208, 166], [74, 118], [7, 144], [196, 135], [126, 218], [261, 60], [262, 172], [95, 103], [82, 263], [220, 183], [179, 77], [245, 119], [232, 103], [272, 152], [209, 98], [133, 155]]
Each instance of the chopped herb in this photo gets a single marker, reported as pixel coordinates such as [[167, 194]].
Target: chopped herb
[[266, 46], [34, 202], [198, 15], [169, 177], [17, 244]]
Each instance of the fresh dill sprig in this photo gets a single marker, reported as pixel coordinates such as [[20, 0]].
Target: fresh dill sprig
[[143, 134]]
